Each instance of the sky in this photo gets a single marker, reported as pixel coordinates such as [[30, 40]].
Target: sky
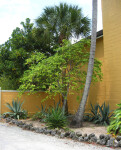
[[12, 12]]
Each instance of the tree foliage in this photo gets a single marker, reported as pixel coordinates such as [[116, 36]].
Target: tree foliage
[[47, 73], [16, 50], [62, 22]]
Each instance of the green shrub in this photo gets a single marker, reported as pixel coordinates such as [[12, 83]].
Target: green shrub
[[99, 114], [16, 110], [37, 116], [56, 118], [115, 124], [41, 114]]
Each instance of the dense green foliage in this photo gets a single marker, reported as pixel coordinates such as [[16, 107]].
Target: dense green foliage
[[62, 22], [13, 53], [16, 110], [54, 25], [56, 118], [99, 114], [115, 124], [63, 71]]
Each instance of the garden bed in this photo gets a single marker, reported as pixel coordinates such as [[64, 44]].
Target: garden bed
[[88, 127]]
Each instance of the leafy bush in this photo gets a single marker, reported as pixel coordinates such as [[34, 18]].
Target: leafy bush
[[115, 125], [99, 114], [56, 118], [16, 110], [41, 114]]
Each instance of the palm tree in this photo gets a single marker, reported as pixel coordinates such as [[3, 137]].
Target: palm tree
[[62, 22], [78, 119]]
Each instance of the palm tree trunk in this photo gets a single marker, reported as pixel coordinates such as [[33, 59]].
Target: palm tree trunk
[[78, 119]]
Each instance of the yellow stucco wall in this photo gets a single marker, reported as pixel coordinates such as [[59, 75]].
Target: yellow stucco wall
[[30, 101], [111, 11]]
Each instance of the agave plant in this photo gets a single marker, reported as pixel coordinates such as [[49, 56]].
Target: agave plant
[[99, 114], [56, 118], [16, 110]]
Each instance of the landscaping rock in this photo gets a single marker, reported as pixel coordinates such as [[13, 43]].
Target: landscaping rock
[[98, 141], [85, 135], [53, 133], [58, 132], [78, 134], [102, 142], [102, 136], [110, 143], [107, 137], [72, 134], [13, 121], [93, 139], [8, 120], [118, 138], [67, 134], [81, 139], [75, 137], [62, 135], [86, 138], [91, 135]]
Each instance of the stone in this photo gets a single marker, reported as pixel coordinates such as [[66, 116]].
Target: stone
[[58, 132], [72, 134], [81, 139], [119, 143], [53, 133], [86, 138], [98, 141], [85, 135], [75, 137], [102, 142], [32, 128], [38, 130], [14, 121], [116, 145], [110, 143], [62, 135], [67, 134], [102, 136], [91, 135], [78, 134], [118, 138], [8, 120], [107, 137], [93, 139], [24, 126]]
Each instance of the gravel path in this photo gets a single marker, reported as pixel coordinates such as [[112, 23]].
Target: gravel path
[[14, 138]]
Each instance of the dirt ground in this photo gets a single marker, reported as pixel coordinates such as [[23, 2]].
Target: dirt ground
[[87, 127]]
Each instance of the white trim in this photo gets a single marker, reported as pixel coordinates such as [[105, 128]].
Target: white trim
[[99, 36], [9, 91]]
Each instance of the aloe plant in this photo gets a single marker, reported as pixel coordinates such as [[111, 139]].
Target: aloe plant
[[16, 110]]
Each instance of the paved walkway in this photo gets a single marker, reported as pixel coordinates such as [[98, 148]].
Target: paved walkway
[[14, 138]]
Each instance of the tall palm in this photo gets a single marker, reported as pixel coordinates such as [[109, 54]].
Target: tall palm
[[62, 22], [78, 120]]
